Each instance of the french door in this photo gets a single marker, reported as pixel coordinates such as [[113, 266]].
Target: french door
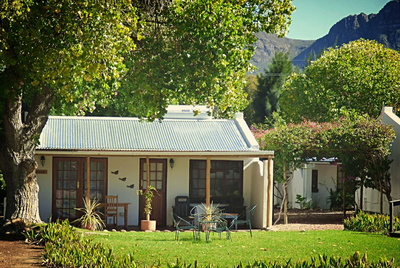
[[158, 178], [70, 185]]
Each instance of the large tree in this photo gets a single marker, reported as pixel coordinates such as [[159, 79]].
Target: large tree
[[361, 75], [71, 56], [266, 98]]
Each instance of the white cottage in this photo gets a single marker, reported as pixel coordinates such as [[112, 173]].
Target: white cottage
[[200, 157], [373, 198]]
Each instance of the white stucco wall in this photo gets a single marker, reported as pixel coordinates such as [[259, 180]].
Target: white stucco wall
[[372, 197], [45, 188], [302, 184]]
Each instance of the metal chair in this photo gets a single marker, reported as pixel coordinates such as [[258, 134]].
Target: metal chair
[[221, 227], [111, 210], [248, 221], [182, 224]]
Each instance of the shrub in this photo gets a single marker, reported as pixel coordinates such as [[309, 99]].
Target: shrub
[[375, 223], [64, 247]]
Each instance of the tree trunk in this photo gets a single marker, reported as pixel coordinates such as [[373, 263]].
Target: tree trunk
[[22, 192], [344, 199], [17, 154], [285, 203], [362, 195]]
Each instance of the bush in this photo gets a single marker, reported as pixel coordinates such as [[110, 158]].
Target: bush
[[64, 247], [375, 223], [336, 199]]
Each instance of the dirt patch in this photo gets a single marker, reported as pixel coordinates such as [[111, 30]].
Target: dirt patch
[[303, 220], [18, 254]]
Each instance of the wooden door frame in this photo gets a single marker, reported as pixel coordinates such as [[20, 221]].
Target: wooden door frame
[[80, 178], [164, 198]]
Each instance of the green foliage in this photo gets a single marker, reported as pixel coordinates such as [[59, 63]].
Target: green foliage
[[266, 98], [210, 212], [64, 247], [2, 187], [362, 145], [376, 223], [148, 195], [361, 75], [336, 199], [90, 219], [197, 52], [53, 45], [250, 89], [302, 201], [321, 261]]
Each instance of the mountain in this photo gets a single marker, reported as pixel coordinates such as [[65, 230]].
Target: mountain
[[383, 27], [268, 44]]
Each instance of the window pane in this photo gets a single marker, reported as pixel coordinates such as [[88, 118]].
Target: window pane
[[152, 166], [74, 165], [93, 165], [159, 185], [202, 164], [159, 166], [66, 165], [202, 183], [152, 176], [202, 173], [195, 173], [159, 176]]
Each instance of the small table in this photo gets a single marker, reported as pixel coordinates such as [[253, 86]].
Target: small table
[[125, 206]]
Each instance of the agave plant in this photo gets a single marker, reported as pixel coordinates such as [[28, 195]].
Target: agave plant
[[90, 219], [210, 212]]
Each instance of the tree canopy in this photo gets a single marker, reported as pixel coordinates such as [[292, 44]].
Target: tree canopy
[[72, 56], [362, 76], [360, 143], [266, 98]]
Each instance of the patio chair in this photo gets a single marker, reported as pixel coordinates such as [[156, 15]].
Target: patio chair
[[248, 220], [111, 210], [223, 227], [182, 224]]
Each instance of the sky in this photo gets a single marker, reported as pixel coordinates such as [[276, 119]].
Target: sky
[[313, 18]]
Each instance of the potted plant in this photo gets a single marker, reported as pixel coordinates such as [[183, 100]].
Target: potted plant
[[90, 219], [210, 213], [148, 194]]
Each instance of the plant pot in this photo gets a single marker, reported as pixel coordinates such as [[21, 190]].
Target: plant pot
[[148, 225]]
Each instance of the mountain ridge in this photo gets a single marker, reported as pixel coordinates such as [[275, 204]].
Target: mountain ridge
[[384, 27]]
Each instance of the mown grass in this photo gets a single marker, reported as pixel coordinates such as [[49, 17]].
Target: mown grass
[[150, 248]]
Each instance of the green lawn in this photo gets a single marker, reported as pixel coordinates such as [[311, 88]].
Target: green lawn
[[149, 248]]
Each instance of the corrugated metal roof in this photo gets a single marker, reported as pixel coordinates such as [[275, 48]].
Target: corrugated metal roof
[[129, 134]]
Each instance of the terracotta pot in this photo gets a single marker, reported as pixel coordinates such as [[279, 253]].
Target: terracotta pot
[[148, 225]]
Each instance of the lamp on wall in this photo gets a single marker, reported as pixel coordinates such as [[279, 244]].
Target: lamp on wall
[[171, 163], [42, 160]]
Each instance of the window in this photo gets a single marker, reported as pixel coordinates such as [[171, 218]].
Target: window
[[226, 179], [314, 185]]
